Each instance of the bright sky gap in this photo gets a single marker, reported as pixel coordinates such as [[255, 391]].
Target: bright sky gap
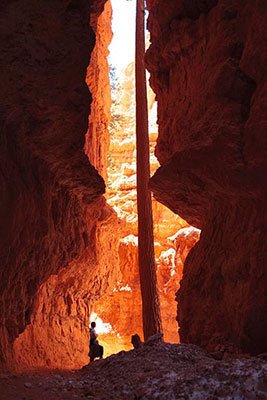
[[122, 47]]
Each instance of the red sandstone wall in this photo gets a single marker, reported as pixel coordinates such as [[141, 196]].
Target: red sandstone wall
[[57, 336], [122, 308], [97, 79], [208, 69], [48, 209]]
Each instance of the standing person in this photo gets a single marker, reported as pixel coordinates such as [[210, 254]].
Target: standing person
[[96, 350]]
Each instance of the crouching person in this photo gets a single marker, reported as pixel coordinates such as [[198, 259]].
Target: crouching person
[[96, 350]]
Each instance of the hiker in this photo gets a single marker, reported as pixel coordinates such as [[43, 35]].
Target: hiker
[[96, 350], [136, 341]]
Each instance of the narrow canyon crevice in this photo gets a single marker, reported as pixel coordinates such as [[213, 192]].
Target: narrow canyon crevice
[[122, 308], [64, 251]]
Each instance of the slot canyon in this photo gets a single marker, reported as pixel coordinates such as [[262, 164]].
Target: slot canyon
[[68, 213]]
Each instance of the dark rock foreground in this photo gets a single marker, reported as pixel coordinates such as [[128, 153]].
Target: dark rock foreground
[[163, 371]]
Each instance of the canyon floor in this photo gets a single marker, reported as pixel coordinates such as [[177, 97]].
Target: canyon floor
[[160, 371]]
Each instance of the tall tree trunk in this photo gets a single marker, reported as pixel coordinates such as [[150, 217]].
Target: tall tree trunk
[[147, 266]]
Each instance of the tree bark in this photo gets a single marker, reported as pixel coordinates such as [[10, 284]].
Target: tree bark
[[147, 267]]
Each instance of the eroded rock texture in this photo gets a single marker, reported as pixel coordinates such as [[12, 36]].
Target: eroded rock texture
[[57, 336], [121, 310], [97, 79], [157, 371], [208, 69], [50, 206]]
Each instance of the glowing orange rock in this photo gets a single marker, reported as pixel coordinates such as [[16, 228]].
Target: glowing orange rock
[[97, 137]]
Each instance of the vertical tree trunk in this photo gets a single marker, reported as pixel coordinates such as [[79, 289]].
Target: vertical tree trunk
[[147, 266]]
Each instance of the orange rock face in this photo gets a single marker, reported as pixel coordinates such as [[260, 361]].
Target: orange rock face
[[52, 214], [60, 319], [170, 273], [208, 69], [97, 79], [122, 309], [64, 252]]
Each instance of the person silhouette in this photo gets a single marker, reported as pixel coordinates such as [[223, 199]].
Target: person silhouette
[[95, 349]]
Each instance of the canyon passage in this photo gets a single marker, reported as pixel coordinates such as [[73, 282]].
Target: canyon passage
[[68, 239]]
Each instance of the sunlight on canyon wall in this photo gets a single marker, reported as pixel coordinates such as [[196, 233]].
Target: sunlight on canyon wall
[[173, 236], [103, 282]]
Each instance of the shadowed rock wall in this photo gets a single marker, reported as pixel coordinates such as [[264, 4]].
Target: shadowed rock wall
[[49, 190], [208, 69]]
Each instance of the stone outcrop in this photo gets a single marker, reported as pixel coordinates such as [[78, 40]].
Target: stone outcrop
[[60, 239], [59, 246], [97, 79], [158, 371], [170, 272], [57, 336], [208, 69], [50, 205], [121, 310]]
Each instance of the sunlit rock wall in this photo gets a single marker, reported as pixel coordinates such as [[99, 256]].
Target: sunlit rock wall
[[50, 204], [119, 315], [59, 324], [121, 311], [208, 69], [57, 336], [97, 79]]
